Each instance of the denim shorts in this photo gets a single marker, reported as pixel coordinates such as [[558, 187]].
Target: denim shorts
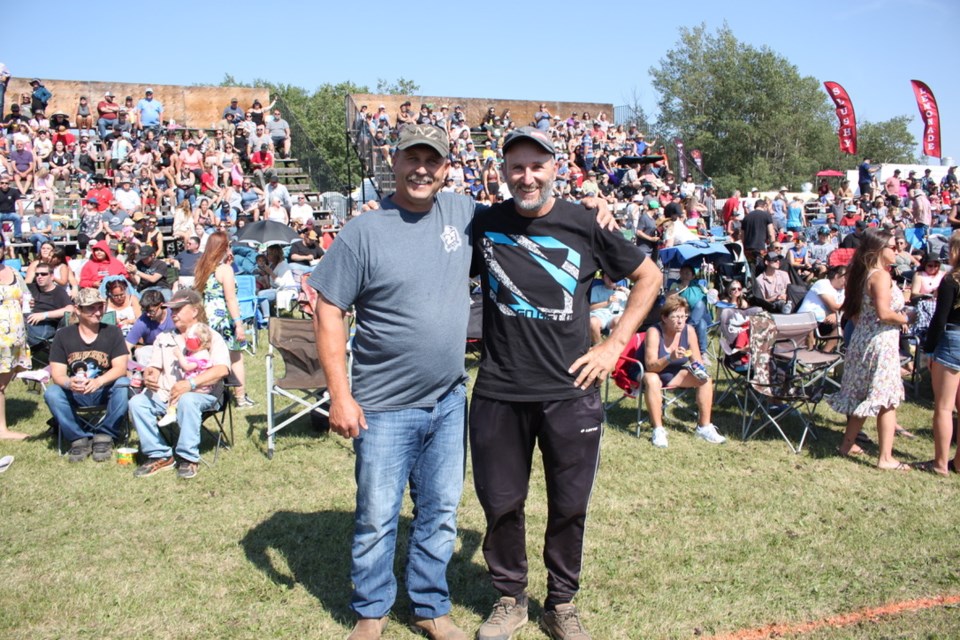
[[947, 352]]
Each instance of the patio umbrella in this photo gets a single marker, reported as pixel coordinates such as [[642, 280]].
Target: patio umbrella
[[638, 159], [692, 253], [267, 232], [830, 173]]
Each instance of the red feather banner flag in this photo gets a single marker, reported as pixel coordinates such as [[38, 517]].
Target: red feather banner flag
[[848, 119], [930, 116]]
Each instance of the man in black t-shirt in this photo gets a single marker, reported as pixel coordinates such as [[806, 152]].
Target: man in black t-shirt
[[305, 253], [88, 367], [538, 379], [150, 272], [50, 302], [758, 230]]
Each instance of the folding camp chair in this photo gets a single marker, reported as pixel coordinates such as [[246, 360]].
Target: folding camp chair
[[628, 375], [734, 341], [303, 385], [784, 376], [222, 417]]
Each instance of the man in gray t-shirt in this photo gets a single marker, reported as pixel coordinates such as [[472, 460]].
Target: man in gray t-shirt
[[279, 131], [404, 270]]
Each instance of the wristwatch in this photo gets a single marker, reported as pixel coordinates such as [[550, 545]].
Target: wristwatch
[[193, 384]]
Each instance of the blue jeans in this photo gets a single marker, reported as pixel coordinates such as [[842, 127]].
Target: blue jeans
[[264, 298], [16, 220], [145, 409], [62, 403], [38, 239], [425, 447], [187, 194]]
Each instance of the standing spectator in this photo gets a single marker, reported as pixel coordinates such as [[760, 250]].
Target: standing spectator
[[14, 352], [149, 111], [943, 342], [214, 280], [279, 130], [865, 177], [4, 81], [542, 118], [536, 385], [40, 97], [874, 386], [758, 231], [88, 367]]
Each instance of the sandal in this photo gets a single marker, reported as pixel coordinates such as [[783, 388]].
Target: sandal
[[930, 467], [903, 433], [901, 466]]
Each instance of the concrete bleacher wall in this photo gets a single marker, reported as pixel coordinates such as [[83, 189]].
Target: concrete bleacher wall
[[189, 106], [521, 111]]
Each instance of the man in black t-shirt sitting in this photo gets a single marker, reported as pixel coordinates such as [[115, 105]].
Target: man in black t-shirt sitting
[[88, 368], [50, 302], [305, 253], [150, 273]]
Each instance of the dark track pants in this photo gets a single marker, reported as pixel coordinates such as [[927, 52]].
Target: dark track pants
[[502, 439]]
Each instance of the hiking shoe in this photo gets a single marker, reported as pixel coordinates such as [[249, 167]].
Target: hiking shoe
[[709, 433], [442, 628], [187, 469], [368, 629], [102, 447], [508, 616], [152, 466], [245, 402], [659, 437], [79, 450], [563, 623]]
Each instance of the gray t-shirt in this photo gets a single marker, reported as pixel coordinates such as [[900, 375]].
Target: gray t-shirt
[[406, 274]]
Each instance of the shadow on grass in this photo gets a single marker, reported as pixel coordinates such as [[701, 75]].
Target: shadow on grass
[[316, 550]]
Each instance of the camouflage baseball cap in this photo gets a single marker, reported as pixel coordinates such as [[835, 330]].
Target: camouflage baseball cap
[[426, 134], [89, 296]]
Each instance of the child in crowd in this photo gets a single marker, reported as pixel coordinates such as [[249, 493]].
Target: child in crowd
[[194, 361]]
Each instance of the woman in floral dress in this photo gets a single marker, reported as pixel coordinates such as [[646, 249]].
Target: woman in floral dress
[[213, 279], [14, 352], [871, 384]]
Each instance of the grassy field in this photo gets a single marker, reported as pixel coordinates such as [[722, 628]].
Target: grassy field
[[695, 540]]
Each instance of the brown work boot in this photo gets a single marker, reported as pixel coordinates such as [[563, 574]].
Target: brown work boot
[[442, 628], [368, 629]]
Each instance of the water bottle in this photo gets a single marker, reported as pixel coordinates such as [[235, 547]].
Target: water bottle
[[27, 302]]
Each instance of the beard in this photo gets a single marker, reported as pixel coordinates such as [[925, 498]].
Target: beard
[[546, 192]]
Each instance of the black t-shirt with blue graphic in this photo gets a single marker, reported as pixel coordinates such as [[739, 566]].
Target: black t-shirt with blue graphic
[[536, 275]]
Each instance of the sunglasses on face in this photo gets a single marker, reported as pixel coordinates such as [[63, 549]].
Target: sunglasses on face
[[42, 273]]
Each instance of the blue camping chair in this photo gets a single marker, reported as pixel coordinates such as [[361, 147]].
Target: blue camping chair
[[247, 298]]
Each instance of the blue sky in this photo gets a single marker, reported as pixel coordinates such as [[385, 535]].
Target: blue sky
[[558, 50]]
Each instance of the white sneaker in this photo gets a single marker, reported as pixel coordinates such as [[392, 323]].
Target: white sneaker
[[659, 437], [709, 433], [168, 418]]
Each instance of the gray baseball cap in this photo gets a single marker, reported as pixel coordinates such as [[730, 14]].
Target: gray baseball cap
[[425, 134], [533, 135]]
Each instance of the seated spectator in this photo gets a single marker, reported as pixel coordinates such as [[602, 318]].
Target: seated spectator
[[164, 377], [113, 219], [733, 295], [186, 260], [150, 272], [154, 319], [54, 257], [695, 293], [233, 109], [819, 252], [273, 274], [122, 301], [261, 163], [101, 264], [61, 163], [672, 359], [21, 166], [926, 281], [276, 211], [771, 285], [798, 257], [606, 304], [88, 367], [824, 300], [906, 263], [306, 252], [301, 214], [275, 189], [128, 198], [41, 227], [50, 302]]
